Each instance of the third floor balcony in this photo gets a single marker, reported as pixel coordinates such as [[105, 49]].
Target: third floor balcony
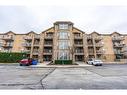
[[48, 36], [119, 38], [8, 37], [77, 36], [28, 37], [98, 38], [118, 45], [48, 43], [89, 37], [36, 36]]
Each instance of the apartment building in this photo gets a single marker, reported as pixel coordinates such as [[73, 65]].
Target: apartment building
[[63, 41]]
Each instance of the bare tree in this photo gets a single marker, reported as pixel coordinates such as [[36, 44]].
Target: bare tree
[[72, 51]]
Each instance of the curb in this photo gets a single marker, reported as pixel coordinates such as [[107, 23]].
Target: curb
[[60, 66]]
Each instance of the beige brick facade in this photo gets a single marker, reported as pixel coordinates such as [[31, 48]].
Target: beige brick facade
[[66, 42]]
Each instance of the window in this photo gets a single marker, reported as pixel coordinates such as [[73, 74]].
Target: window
[[63, 44], [62, 55], [63, 35], [63, 26]]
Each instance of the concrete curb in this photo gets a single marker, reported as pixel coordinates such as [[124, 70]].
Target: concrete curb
[[58, 66]]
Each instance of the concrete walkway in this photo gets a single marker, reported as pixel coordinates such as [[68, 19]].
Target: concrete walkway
[[45, 64]]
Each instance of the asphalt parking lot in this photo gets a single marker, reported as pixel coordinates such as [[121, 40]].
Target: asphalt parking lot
[[89, 77]]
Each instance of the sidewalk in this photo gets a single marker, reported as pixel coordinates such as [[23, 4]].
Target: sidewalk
[[45, 65]]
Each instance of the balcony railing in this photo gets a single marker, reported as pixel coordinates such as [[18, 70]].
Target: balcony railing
[[28, 38], [118, 52], [99, 52], [27, 51], [118, 45], [48, 44], [90, 45], [98, 38], [89, 37], [47, 52], [6, 37], [78, 44], [48, 36], [117, 38], [98, 44], [77, 36], [37, 36], [36, 44], [7, 45], [79, 52], [91, 52], [27, 44], [35, 52]]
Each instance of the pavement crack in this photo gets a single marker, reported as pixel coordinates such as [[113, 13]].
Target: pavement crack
[[42, 84], [31, 85], [14, 84]]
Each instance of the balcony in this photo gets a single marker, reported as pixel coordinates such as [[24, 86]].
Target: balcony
[[27, 44], [47, 52], [7, 50], [8, 37], [79, 52], [124, 49], [118, 45], [89, 37], [90, 45], [27, 51], [48, 36], [91, 52], [99, 52], [77, 37], [78, 45], [8, 45], [117, 38], [36, 36], [35, 52], [118, 52], [98, 45], [98, 38], [28, 38], [36, 44], [48, 43]]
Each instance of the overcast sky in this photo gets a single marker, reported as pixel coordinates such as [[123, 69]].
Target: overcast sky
[[102, 19]]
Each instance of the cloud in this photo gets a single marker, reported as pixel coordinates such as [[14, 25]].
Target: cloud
[[103, 19]]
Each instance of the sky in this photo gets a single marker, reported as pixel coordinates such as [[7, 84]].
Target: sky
[[102, 19]]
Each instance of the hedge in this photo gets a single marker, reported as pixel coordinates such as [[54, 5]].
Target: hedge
[[63, 62], [14, 57]]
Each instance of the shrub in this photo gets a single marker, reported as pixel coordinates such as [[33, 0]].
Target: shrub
[[63, 62], [14, 57]]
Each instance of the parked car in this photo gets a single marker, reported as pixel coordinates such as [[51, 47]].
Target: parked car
[[25, 62], [94, 62], [90, 61], [97, 63]]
